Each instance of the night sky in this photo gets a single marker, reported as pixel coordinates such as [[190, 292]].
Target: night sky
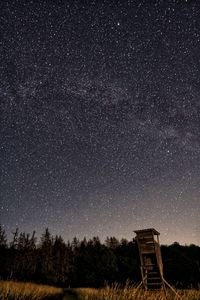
[[100, 118]]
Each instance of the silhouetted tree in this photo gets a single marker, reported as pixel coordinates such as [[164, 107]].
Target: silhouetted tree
[[3, 252], [112, 242], [3, 238], [45, 258], [14, 242]]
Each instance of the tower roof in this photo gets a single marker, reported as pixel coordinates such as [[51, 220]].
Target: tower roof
[[155, 232]]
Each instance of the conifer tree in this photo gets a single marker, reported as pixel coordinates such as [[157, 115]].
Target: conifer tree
[[3, 238]]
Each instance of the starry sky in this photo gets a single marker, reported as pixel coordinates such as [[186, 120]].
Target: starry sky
[[100, 118]]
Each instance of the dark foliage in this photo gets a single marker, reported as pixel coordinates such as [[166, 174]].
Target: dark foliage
[[89, 263]]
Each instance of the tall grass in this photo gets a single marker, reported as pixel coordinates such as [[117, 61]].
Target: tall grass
[[10, 290], [132, 293]]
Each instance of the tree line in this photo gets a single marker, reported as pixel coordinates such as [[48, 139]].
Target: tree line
[[89, 263]]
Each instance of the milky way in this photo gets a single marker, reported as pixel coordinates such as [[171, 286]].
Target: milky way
[[100, 118]]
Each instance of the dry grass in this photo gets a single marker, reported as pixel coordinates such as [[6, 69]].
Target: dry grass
[[10, 290], [132, 293]]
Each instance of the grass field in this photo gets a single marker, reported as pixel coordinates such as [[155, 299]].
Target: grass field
[[131, 293], [10, 290]]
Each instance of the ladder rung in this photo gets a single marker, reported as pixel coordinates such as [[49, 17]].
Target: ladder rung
[[150, 243], [156, 279], [155, 283]]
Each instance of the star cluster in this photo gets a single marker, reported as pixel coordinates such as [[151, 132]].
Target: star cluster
[[100, 117]]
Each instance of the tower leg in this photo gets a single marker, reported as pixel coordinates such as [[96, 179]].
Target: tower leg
[[164, 288], [171, 288], [140, 284]]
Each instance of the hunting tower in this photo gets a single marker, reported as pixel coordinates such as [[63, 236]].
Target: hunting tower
[[150, 258]]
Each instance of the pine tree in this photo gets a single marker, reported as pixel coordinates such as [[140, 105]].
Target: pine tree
[[3, 238], [45, 258]]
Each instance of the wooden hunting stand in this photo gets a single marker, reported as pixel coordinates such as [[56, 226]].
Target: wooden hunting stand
[[151, 260]]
